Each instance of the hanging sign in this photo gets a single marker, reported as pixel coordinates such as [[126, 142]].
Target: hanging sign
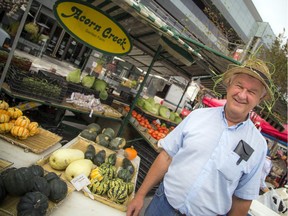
[[92, 27]]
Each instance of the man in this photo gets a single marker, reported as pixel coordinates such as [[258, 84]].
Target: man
[[211, 162]]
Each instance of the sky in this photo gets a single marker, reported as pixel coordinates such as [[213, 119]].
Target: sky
[[275, 13]]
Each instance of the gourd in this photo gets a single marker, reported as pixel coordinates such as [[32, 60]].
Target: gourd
[[37, 170], [41, 185], [98, 187], [18, 182], [4, 105], [89, 134], [75, 168], [94, 127], [130, 153], [3, 192], [4, 116], [103, 140], [22, 121], [108, 170], [125, 175], [32, 204], [99, 158], [6, 127], [117, 143], [33, 128], [96, 174], [90, 152], [58, 190], [115, 182], [109, 132], [61, 158], [111, 159], [14, 112], [51, 176], [20, 132], [118, 194]]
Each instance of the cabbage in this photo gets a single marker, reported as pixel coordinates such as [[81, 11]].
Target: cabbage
[[103, 95], [147, 106], [88, 81], [177, 119], [140, 102], [74, 76], [172, 116], [150, 100], [99, 85], [164, 112]]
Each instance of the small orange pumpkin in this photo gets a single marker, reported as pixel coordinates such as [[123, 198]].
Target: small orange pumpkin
[[4, 116], [4, 105], [22, 121], [130, 153], [6, 127], [20, 132], [33, 128], [14, 112]]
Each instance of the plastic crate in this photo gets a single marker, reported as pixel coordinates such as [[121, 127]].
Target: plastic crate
[[47, 88]]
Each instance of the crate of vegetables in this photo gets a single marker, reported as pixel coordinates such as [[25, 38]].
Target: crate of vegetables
[[47, 88]]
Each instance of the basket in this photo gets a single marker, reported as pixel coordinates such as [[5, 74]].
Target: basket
[[51, 88]]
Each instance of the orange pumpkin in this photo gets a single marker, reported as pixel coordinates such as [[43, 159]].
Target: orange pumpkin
[[130, 153], [14, 112], [6, 127], [20, 132], [22, 121], [33, 128], [4, 105], [4, 116]]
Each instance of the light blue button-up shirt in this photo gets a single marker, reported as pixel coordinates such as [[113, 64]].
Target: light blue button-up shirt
[[203, 174]]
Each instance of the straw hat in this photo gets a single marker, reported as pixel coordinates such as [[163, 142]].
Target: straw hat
[[255, 68]]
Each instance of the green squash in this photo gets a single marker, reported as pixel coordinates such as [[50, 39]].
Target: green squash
[[37, 170], [127, 164], [90, 152], [18, 182], [117, 143], [94, 127], [3, 192], [51, 176], [32, 204], [103, 140], [99, 187], [108, 170], [109, 132], [130, 187], [111, 159], [41, 185], [118, 194], [125, 175], [99, 158], [58, 190], [89, 134]]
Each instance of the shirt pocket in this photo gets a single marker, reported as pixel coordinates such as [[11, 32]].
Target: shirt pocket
[[229, 169]]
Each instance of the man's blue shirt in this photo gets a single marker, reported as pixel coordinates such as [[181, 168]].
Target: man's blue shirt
[[203, 174]]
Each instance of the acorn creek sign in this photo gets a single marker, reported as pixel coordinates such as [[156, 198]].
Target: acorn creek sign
[[92, 27]]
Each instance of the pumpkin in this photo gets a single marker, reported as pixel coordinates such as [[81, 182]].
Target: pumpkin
[[40, 184], [33, 128], [3, 192], [4, 116], [37, 170], [4, 105], [22, 121], [14, 112], [18, 182], [32, 204], [58, 190], [89, 134], [20, 132], [6, 127], [130, 153]]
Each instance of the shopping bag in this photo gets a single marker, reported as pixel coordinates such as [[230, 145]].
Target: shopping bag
[[273, 201]]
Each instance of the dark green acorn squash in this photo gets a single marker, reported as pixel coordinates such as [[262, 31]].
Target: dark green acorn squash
[[95, 127], [41, 185], [32, 204], [109, 132], [111, 159], [103, 140], [58, 190], [89, 134], [37, 170], [18, 182], [117, 143], [99, 158], [3, 192], [127, 164], [90, 152], [51, 176], [125, 175]]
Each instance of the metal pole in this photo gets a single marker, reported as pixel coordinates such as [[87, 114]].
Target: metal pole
[[126, 119], [11, 53], [182, 96]]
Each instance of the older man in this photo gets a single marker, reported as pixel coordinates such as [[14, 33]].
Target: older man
[[211, 162]]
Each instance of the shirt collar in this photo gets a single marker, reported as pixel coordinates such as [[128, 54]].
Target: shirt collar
[[237, 125]]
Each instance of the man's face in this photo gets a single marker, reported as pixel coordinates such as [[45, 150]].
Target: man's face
[[243, 94]]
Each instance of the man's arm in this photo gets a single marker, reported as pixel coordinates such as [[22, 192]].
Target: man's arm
[[240, 207], [154, 176]]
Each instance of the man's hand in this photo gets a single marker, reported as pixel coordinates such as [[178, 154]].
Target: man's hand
[[135, 206]]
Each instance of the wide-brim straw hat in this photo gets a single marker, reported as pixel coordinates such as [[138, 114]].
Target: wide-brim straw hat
[[255, 68]]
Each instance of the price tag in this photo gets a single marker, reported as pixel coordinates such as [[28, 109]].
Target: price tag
[[80, 181], [158, 121]]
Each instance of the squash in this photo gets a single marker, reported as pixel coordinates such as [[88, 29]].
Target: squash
[[22, 121], [83, 166], [103, 140], [20, 132], [14, 112], [3, 192], [6, 127], [4, 105], [99, 158], [90, 152], [109, 132], [18, 182], [33, 204], [89, 134], [117, 143], [108, 170], [111, 159], [51, 176], [125, 175], [118, 194], [94, 127], [130, 153], [33, 128], [130, 187], [58, 190], [37, 170], [41, 185], [126, 164], [96, 174], [4, 116], [98, 187]]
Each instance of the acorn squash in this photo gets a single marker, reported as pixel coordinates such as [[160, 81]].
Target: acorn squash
[[89, 134], [41, 185], [58, 190]]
